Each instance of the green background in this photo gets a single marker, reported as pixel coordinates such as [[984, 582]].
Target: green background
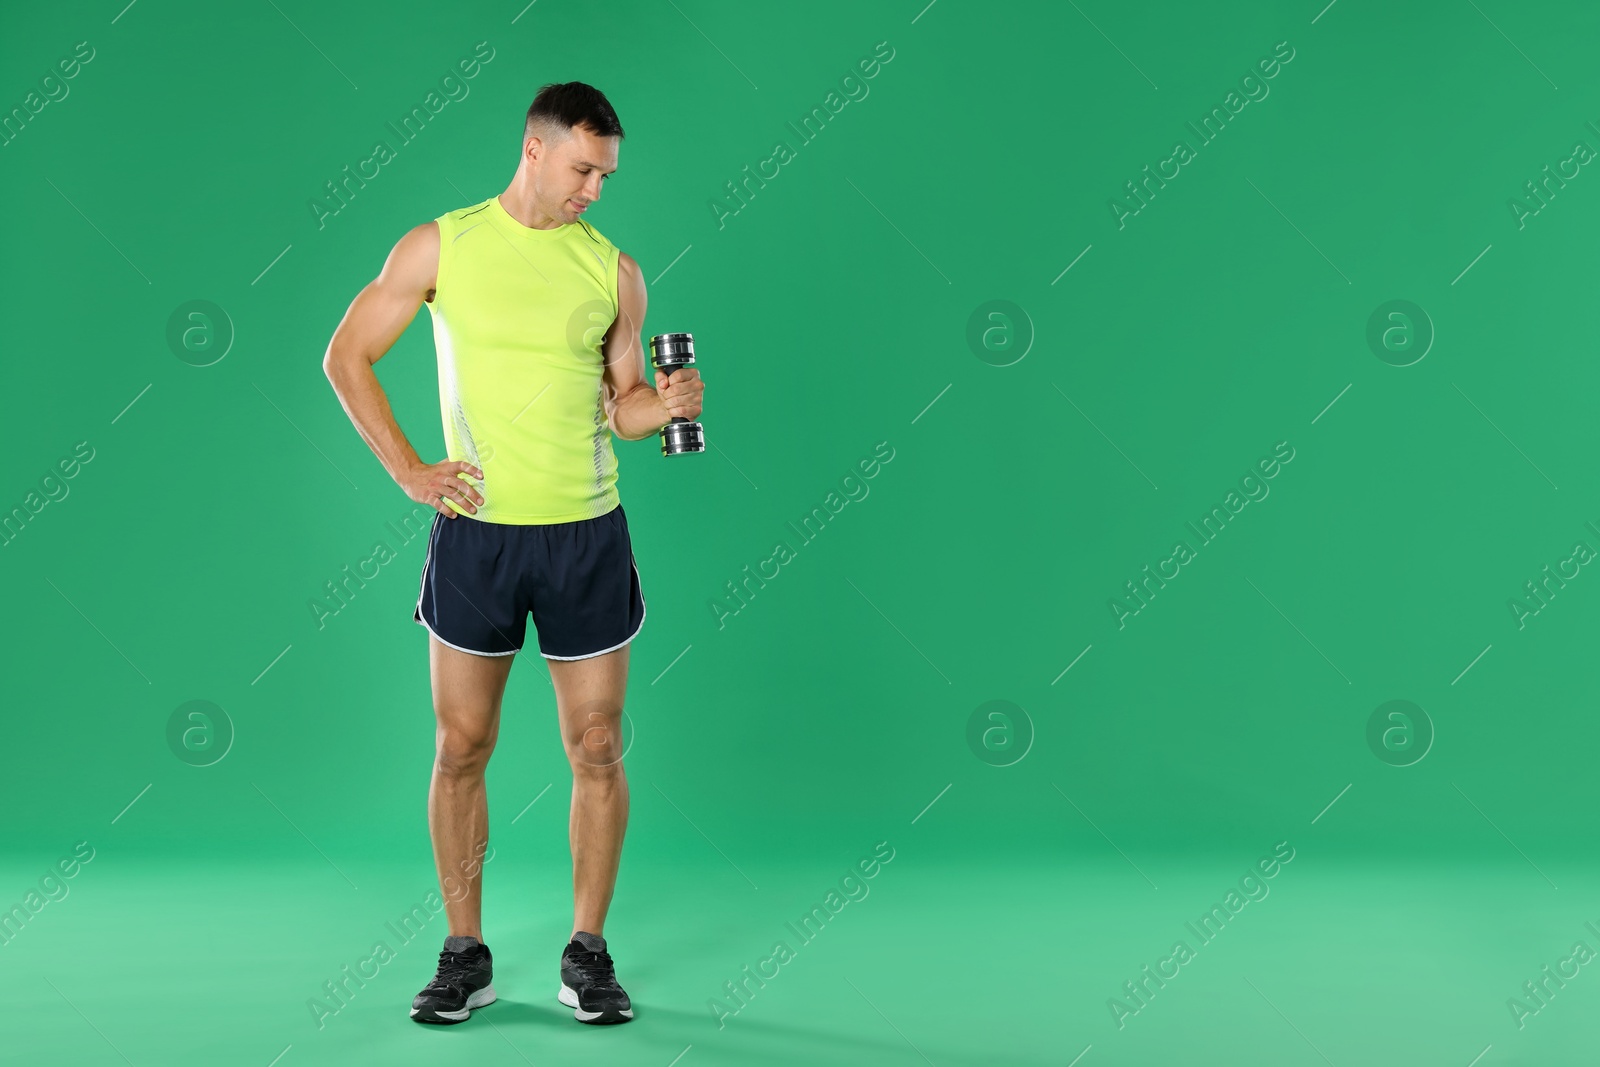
[[1435, 870]]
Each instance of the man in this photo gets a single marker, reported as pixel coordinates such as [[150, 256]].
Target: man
[[520, 288]]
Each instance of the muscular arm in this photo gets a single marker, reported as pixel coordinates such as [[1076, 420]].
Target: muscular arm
[[374, 321], [634, 409], [376, 318]]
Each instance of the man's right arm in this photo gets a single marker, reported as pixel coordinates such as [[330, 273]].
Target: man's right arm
[[376, 318]]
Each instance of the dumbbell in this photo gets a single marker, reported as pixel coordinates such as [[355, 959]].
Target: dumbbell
[[670, 351]]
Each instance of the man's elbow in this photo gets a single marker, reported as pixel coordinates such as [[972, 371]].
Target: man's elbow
[[616, 432], [333, 368], [339, 360], [612, 411], [620, 408]]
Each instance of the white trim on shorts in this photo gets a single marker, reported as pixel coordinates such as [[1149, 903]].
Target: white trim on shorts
[[416, 612], [427, 557], [643, 611]]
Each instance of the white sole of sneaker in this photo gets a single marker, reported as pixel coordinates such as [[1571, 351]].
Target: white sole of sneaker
[[474, 1000], [569, 997]]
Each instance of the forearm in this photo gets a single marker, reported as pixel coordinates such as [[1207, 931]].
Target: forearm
[[639, 414], [356, 384]]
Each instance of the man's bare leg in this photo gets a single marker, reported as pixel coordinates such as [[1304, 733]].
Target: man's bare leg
[[589, 698], [466, 700]]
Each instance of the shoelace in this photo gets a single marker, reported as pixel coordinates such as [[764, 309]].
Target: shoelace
[[454, 970], [595, 966]]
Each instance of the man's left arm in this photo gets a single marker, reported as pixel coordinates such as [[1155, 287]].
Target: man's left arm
[[635, 410]]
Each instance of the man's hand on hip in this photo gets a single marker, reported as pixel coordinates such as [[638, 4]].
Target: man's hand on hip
[[430, 483]]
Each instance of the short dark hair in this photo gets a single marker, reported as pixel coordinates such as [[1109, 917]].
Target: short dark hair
[[561, 106]]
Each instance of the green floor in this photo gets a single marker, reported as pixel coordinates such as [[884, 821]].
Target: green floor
[[991, 962]]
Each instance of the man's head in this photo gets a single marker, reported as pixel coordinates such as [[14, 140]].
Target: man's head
[[569, 146]]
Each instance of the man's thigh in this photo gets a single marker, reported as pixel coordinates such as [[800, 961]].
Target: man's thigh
[[589, 699], [467, 690]]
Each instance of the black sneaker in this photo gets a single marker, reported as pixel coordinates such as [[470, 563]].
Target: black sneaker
[[588, 983], [461, 984]]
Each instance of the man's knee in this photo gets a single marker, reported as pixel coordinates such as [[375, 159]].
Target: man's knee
[[463, 753], [593, 738]]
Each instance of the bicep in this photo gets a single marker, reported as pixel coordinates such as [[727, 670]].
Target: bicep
[[624, 355], [384, 308]]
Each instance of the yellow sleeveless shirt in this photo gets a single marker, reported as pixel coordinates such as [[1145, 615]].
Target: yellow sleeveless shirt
[[518, 319]]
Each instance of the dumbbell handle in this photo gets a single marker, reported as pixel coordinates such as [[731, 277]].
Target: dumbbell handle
[[675, 418], [671, 341]]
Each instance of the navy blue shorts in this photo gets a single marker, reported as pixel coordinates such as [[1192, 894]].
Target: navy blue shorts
[[579, 579]]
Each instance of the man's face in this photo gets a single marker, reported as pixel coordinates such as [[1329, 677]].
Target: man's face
[[572, 173]]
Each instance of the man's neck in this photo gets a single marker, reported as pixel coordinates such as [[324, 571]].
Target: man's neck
[[519, 204]]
